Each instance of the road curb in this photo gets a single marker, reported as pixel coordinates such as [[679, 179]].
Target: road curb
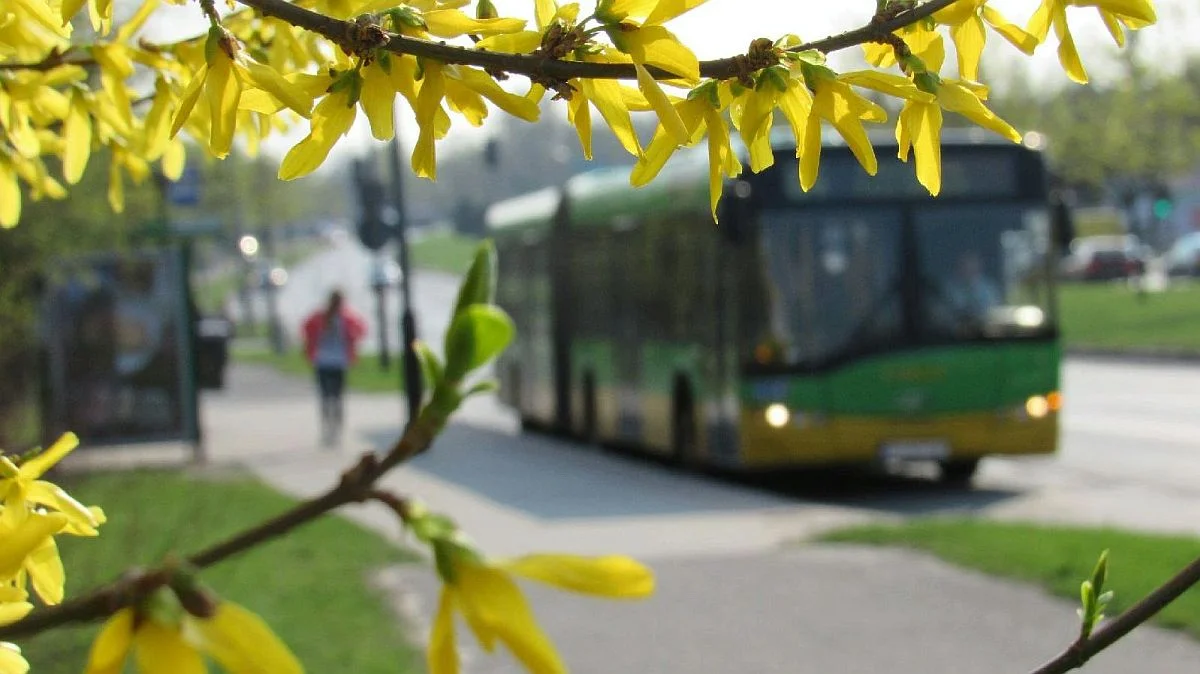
[[1183, 356]]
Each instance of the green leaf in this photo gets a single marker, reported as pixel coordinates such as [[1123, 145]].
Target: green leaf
[[479, 285], [1100, 573], [485, 386], [431, 367], [476, 335]]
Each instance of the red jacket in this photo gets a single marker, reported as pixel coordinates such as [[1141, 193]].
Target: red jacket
[[315, 323]]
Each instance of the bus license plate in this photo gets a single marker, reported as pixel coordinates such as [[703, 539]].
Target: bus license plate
[[915, 450]]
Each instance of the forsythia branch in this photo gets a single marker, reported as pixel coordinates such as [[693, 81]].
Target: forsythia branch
[[354, 486], [1083, 650], [535, 65]]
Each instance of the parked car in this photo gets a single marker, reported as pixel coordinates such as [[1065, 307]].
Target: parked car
[[1104, 258], [1183, 259]]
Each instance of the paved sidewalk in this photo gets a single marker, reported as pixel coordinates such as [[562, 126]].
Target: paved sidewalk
[[736, 594]]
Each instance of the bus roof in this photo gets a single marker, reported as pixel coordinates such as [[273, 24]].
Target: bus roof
[[599, 195]]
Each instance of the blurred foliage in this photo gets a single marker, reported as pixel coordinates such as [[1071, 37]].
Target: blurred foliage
[[1146, 127]]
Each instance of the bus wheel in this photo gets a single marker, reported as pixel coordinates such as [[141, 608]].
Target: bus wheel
[[684, 449], [959, 471], [589, 432]]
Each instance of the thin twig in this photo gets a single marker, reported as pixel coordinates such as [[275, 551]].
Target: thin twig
[[531, 65], [1081, 651], [355, 485]]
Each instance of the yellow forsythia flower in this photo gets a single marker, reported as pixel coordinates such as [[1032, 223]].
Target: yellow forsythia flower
[[237, 639], [11, 661], [1117, 14], [495, 609], [966, 19]]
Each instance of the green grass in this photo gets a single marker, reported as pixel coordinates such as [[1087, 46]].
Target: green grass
[[444, 251], [366, 376], [1113, 316], [1055, 558], [310, 586]]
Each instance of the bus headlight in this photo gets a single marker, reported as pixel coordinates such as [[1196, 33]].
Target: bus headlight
[[777, 415], [1037, 407]]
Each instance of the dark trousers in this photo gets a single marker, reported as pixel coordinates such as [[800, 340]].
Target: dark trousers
[[331, 382]]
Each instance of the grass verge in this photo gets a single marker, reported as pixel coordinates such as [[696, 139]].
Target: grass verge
[[1115, 316], [310, 586], [367, 376], [1053, 557], [444, 251]]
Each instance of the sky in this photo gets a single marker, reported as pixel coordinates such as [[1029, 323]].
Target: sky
[[721, 28]]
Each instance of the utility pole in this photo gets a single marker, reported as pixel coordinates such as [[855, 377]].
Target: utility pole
[[408, 325]]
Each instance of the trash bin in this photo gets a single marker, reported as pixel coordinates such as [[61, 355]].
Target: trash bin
[[212, 351]]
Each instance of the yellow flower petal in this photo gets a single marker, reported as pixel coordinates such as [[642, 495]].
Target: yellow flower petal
[[77, 139], [242, 643], [969, 40], [1068, 56], [112, 644], [483, 84], [429, 103], [10, 196], [922, 123], [34, 529], [268, 79], [606, 96], [512, 43], [378, 101], [46, 572], [222, 89], [796, 104], [11, 661], [494, 599], [544, 11], [1141, 11], [53, 496], [609, 576], [810, 155], [174, 159], [453, 23], [1009, 31], [956, 98], [11, 612], [657, 46], [666, 10], [331, 119], [721, 158], [188, 101], [580, 115], [441, 656], [47, 459], [159, 650], [658, 100], [1039, 22]]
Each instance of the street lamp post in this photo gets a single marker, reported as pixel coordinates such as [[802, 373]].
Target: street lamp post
[[408, 325]]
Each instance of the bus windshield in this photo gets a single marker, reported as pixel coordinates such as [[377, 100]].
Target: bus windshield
[[983, 270], [838, 281]]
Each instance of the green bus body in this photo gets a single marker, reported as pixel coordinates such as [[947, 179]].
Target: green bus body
[[805, 329]]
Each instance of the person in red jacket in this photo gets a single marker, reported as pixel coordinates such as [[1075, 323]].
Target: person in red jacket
[[331, 337]]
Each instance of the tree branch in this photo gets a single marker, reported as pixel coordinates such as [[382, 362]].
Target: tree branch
[[355, 485], [1084, 649], [339, 31]]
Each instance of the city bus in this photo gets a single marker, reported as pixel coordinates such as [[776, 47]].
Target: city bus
[[860, 323]]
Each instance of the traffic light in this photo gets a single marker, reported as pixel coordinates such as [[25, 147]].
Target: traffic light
[[1163, 208], [373, 230]]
